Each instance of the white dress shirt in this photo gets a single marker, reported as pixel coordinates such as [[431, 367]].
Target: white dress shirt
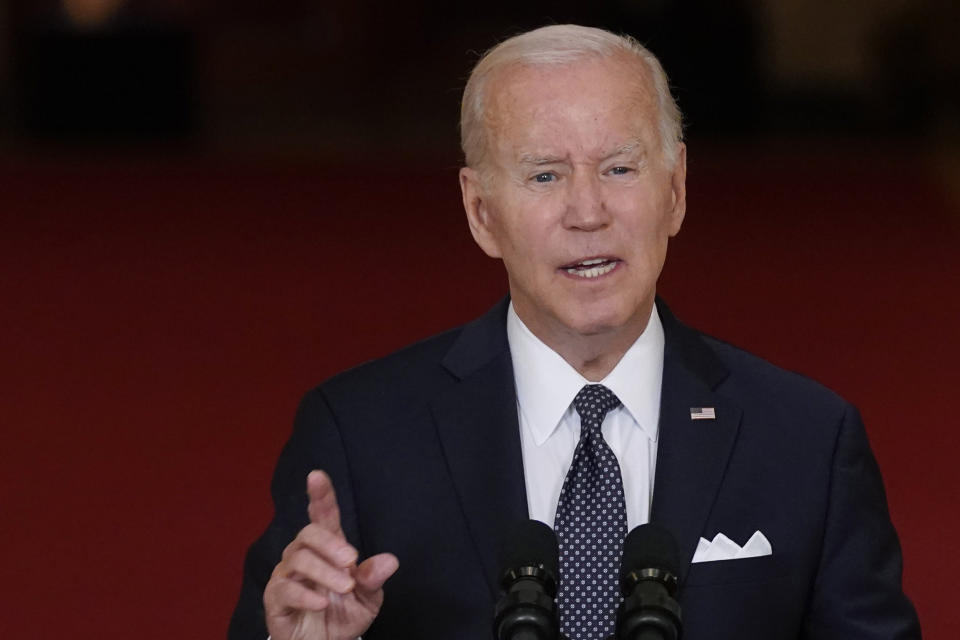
[[550, 426]]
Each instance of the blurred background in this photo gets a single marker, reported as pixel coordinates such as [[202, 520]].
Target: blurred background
[[208, 207]]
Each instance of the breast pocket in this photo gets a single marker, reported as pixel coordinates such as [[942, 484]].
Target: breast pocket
[[742, 570]]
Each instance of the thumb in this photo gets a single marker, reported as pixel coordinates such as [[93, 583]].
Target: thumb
[[374, 571]]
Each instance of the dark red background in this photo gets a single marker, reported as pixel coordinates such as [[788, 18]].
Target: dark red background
[[160, 320]]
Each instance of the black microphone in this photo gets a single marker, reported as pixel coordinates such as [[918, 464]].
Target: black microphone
[[648, 581], [526, 610]]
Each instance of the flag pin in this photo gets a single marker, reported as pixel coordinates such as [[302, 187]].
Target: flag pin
[[703, 413]]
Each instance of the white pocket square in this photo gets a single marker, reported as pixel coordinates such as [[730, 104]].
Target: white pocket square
[[723, 548]]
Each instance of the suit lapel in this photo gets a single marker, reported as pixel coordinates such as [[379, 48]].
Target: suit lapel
[[692, 455], [477, 425], [480, 435]]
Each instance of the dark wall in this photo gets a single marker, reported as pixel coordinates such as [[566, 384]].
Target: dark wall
[[343, 75]]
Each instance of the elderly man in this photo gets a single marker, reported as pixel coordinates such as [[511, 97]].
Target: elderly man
[[579, 401]]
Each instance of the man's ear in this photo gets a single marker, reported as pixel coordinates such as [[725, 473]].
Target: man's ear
[[476, 205], [678, 188]]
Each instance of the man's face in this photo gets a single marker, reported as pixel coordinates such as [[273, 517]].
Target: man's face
[[576, 196]]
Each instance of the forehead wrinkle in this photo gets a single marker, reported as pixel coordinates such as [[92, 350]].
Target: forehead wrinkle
[[508, 116], [541, 159], [632, 146]]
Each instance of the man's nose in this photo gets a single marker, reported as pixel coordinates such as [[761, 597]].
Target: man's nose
[[585, 206]]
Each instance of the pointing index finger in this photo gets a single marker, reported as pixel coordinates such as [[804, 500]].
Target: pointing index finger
[[323, 509]]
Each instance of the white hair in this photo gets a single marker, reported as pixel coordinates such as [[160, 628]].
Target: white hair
[[557, 45]]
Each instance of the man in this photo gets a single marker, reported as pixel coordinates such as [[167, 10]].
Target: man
[[575, 178]]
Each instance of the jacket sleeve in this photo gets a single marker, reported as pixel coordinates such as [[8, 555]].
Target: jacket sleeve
[[314, 444], [857, 593]]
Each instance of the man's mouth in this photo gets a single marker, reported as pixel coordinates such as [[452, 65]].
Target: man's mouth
[[592, 268]]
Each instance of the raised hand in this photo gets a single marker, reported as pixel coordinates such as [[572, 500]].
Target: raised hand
[[317, 591]]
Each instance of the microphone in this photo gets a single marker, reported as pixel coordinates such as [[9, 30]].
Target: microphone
[[648, 582], [526, 610]]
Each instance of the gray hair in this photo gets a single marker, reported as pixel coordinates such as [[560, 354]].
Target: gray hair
[[557, 45]]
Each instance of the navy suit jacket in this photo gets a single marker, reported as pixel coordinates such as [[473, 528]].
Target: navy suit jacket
[[423, 448]]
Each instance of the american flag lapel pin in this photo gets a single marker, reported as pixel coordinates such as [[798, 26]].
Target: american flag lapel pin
[[703, 413]]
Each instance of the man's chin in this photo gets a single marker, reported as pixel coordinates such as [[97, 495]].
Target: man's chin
[[607, 322], [597, 325]]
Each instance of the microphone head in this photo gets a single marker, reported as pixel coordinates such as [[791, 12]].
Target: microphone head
[[531, 544], [649, 552]]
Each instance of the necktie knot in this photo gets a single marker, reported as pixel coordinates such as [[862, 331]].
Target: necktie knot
[[592, 403]]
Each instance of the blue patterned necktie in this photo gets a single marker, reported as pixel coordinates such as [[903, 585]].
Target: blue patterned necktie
[[591, 524]]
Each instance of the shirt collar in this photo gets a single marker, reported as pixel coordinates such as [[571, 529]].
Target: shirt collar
[[546, 384]]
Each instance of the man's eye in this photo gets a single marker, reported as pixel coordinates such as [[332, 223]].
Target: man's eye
[[620, 171], [544, 177]]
